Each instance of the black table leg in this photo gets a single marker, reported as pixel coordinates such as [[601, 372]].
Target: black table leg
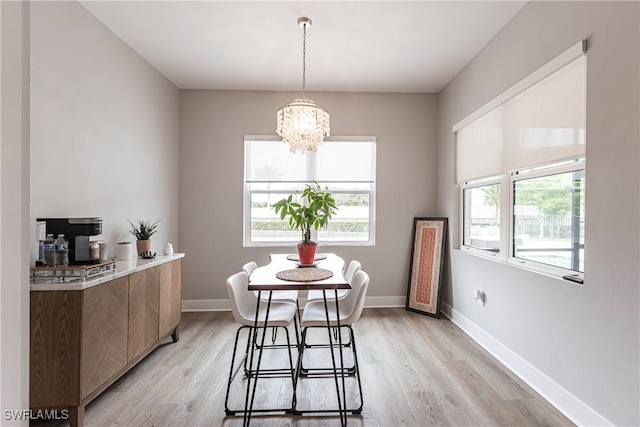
[[248, 405], [344, 388], [343, 416]]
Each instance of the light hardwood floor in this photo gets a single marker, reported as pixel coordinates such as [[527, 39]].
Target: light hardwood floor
[[416, 371]]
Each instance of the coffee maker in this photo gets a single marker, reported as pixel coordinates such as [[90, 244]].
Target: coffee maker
[[77, 232]]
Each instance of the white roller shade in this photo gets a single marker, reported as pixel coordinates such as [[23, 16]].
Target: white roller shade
[[269, 160], [539, 120]]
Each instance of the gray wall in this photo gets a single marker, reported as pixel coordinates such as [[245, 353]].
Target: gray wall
[[14, 202], [585, 338], [213, 124], [104, 127]]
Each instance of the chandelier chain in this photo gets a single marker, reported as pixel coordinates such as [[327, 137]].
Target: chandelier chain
[[304, 59]]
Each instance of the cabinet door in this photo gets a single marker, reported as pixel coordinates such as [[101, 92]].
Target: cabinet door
[[144, 288], [104, 333], [54, 364], [170, 296]]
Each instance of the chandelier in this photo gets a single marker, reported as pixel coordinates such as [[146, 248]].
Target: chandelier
[[302, 123]]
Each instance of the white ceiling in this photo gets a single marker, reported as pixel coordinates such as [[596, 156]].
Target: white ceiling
[[354, 46]]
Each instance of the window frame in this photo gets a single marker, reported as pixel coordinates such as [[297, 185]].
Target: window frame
[[310, 168], [467, 185]]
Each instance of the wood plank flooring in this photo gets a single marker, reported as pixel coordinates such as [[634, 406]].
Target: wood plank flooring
[[416, 371]]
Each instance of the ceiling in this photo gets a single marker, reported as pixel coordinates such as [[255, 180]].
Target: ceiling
[[352, 46]]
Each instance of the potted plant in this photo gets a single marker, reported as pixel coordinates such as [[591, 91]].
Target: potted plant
[[314, 209], [143, 230]]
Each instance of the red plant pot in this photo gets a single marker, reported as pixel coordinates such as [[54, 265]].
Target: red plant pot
[[307, 253]]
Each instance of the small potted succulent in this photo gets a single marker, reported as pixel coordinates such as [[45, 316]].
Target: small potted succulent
[[143, 230], [314, 208]]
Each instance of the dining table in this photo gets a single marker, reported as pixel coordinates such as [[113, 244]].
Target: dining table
[[284, 272]]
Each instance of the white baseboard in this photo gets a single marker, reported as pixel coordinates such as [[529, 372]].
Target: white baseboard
[[572, 407], [206, 305], [223, 304], [385, 302]]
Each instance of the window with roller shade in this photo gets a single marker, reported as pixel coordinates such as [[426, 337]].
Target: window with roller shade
[[521, 169], [345, 165]]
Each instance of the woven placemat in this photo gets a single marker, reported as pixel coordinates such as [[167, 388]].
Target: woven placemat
[[304, 274]]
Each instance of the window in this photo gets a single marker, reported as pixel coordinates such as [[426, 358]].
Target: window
[[546, 207], [531, 142], [345, 165], [548, 217], [481, 203]]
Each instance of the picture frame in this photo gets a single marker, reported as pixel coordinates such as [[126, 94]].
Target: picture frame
[[426, 266]]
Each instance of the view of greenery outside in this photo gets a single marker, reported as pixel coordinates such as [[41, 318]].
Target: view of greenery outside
[[351, 223]]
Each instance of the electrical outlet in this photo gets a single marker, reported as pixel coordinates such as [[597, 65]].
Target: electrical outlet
[[479, 296]]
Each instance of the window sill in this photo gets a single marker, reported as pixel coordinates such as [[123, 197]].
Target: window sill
[[294, 244], [559, 275], [493, 256]]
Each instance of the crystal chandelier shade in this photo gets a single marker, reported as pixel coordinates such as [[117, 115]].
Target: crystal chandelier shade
[[302, 123]]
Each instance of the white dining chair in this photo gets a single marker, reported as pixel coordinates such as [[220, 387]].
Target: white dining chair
[[350, 309], [280, 296], [243, 307], [249, 267], [316, 295], [276, 296]]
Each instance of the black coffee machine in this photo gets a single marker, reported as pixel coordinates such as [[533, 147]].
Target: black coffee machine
[[77, 232]]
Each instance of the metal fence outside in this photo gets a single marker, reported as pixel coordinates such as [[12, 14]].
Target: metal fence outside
[[553, 227]]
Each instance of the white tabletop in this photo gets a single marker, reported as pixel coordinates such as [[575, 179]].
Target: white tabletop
[[264, 278]]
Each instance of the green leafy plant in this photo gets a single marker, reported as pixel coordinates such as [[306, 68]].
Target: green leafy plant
[[314, 208], [143, 230]]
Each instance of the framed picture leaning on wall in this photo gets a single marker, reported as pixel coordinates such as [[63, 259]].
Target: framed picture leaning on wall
[[427, 265]]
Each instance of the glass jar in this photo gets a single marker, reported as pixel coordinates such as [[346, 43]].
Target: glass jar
[[103, 251], [94, 250]]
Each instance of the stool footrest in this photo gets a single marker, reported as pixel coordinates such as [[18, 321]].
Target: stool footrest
[[314, 372], [355, 411]]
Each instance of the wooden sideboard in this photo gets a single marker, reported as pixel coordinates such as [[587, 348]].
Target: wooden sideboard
[[82, 341]]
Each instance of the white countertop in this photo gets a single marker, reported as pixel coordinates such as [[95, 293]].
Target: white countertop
[[123, 268]]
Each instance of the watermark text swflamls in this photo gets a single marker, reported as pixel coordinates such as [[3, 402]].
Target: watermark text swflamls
[[40, 414]]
